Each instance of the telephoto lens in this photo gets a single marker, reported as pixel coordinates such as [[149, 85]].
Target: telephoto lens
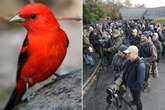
[[110, 95]]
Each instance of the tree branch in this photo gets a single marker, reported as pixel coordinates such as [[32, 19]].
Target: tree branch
[[5, 19]]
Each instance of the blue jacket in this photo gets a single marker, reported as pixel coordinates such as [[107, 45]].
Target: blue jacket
[[134, 74]]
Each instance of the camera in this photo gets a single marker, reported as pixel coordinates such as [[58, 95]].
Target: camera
[[110, 92], [104, 42]]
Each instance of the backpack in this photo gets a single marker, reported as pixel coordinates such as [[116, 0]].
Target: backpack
[[147, 67]]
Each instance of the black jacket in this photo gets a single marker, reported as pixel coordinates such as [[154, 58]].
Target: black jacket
[[148, 52]]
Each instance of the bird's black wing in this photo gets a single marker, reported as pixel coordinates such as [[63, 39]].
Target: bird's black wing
[[22, 58], [67, 41], [64, 35], [15, 98]]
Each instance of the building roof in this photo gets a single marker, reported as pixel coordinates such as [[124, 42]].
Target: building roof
[[138, 13], [132, 13], [153, 13]]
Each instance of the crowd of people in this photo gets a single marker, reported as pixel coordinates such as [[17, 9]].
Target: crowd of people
[[133, 49]]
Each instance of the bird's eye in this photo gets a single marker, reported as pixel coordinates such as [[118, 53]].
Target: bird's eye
[[33, 16]]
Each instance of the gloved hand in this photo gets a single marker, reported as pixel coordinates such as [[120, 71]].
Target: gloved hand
[[118, 81], [123, 87], [90, 49], [116, 85]]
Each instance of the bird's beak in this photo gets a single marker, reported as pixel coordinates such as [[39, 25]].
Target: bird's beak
[[17, 18]]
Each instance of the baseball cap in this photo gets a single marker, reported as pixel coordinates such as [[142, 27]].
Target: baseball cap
[[146, 34], [91, 28], [131, 49], [122, 48], [134, 30]]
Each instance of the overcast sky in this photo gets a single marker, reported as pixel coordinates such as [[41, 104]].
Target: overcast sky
[[149, 3]]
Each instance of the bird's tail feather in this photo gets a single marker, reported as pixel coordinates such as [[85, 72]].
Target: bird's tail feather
[[14, 100]]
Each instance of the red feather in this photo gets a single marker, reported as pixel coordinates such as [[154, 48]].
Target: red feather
[[44, 48]]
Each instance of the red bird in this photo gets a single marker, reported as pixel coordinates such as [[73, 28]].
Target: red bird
[[43, 49]]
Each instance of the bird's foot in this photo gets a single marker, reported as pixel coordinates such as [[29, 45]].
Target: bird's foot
[[62, 76], [29, 94], [57, 77]]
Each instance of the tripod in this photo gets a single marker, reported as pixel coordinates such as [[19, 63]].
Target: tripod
[[116, 101], [101, 66]]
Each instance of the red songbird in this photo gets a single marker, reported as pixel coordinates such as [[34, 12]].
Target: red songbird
[[43, 49]]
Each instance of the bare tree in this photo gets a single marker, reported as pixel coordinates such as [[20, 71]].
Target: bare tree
[[127, 3]]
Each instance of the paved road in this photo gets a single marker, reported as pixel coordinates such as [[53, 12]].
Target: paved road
[[87, 70], [155, 100]]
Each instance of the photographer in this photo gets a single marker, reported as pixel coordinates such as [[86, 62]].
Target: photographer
[[134, 75], [94, 37], [105, 26], [162, 39], [118, 62], [134, 38], [159, 48], [86, 52], [116, 42], [158, 45], [104, 42], [149, 53]]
